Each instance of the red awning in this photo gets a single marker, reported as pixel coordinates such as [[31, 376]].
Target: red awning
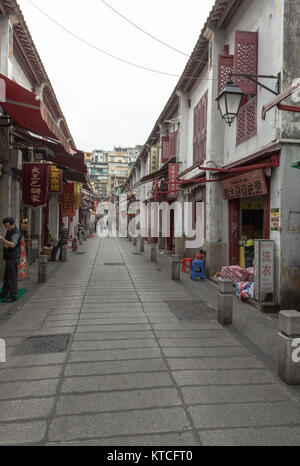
[[26, 109]]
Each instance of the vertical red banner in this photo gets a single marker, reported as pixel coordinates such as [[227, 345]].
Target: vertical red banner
[[35, 184], [173, 172], [68, 200]]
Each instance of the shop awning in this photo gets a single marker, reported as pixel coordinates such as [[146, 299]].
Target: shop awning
[[26, 109], [296, 164], [76, 169]]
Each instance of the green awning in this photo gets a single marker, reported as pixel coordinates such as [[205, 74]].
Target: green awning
[[296, 164]]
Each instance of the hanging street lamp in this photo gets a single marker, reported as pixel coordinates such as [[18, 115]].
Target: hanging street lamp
[[229, 101]]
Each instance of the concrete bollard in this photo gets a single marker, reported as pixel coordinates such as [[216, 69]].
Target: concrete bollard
[[289, 347], [225, 302], [142, 245], [175, 270], [42, 269], [134, 241], [153, 253], [64, 250]]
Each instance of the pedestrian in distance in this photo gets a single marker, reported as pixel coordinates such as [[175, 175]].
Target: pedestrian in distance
[[11, 255], [63, 239]]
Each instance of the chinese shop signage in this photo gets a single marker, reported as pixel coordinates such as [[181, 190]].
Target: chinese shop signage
[[34, 184], [54, 179], [155, 190], [247, 185], [264, 268], [77, 194], [173, 171], [154, 160], [68, 200]]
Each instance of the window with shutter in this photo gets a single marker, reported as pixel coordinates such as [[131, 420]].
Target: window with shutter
[[172, 145], [245, 59], [165, 147], [200, 129], [245, 62], [226, 67]]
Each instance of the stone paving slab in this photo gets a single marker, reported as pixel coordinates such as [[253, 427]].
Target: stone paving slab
[[212, 351], [82, 336], [233, 394], [214, 363], [115, 367], [258, 436], [197, 342], [123, 423], [17, 410], [113, 344], [30, 373], [117, 401], [174, 439], [242, 415], [223, 377], [114, 354], [32, 389], [115, 382], [24, 433]]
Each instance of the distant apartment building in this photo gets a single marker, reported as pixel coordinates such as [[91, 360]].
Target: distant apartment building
[[109, 170]]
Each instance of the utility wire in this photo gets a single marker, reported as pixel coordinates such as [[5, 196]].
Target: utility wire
[[109, 54], [148, 33]]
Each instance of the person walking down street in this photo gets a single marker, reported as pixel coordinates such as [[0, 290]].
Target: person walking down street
[[63, 239], [11, 254]]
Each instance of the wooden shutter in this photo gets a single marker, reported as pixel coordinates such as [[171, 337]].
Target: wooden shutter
[[200, 129], [226, 67], [245, 59], [173, 145], [165, 147]]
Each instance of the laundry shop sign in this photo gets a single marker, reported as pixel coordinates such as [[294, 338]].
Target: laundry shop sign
[[245, 185]]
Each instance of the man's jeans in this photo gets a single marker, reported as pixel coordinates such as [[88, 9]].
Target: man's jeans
[[55, 249], [10, 284]]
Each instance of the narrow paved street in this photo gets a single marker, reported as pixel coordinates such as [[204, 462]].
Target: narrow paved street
[[135, 371]]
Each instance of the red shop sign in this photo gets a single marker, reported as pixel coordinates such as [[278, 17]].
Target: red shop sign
[[173, 172], [34, 184], [245, 185]]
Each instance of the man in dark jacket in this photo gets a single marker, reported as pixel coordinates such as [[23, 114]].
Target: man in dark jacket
[[63, 239], [11, 254]]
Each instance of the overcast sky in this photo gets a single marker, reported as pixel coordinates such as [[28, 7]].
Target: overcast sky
[[106, 102]]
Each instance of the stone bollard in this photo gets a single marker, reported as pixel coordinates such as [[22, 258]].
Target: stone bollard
[[74, 244], [142, 245], [153, 253], [289, 347], [134, 241], [64, 249], [42, 269], [225, 302], [175, 272]]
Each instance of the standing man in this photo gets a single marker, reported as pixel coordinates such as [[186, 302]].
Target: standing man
[[63, 239], [11, 254]]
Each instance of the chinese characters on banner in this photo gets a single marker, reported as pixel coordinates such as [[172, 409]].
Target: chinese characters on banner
[[251, 184], [154, 160], [77, 194], [264, 266], [54, 179], [173, 171], [68, 200], [35, 184], [155, 190]]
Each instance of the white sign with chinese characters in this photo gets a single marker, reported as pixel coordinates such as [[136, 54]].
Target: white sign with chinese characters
[[264, 272]]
